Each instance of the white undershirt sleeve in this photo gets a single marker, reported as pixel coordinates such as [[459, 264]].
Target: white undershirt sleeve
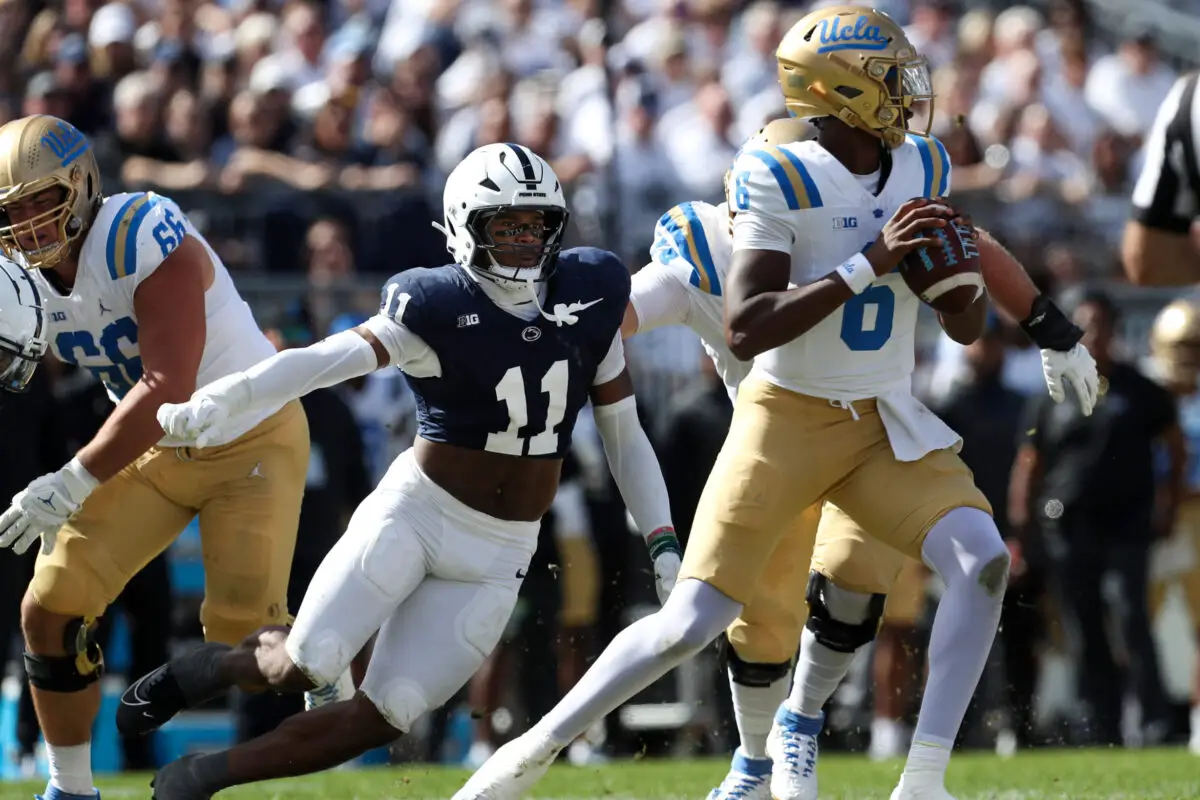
[[407, 351], [659, 298], [612, 364]]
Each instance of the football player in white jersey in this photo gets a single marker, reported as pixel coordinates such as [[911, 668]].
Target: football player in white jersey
[[682, 285], [833, 355], [134, 294]]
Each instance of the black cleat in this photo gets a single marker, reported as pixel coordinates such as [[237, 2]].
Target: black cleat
[[178, 781], [187, 682]]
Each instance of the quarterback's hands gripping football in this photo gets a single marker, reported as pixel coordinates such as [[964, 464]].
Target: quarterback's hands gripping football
[[665, 552], [903, 233], [42, 507], [204, 417], [1075, 368]]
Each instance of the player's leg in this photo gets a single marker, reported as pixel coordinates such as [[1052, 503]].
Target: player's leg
[[760, 483], [123, 525], [426, 651], [758, 650], [377, 563], [931, 509], [850, 577]]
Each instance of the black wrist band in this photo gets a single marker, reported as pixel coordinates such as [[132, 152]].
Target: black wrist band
[[1049, 327]]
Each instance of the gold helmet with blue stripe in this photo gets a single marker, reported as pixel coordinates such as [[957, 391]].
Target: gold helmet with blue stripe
[[856, 65], [49, 189], [1175, 343]]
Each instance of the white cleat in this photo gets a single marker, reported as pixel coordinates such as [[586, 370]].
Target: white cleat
[[336, 692], [512, 770], [748, 779], [477, 755], [932, 787], [792, 746]]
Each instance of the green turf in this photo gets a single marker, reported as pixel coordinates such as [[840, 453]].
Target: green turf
[[1070, 775]]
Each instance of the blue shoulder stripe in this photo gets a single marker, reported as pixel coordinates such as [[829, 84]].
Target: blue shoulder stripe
[[687, 231], [798, 188], [936, 163], [121, 247]]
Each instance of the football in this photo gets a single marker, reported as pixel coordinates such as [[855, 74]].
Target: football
[[946, 273]]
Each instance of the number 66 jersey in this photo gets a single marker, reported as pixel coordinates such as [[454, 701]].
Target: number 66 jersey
[[94, 325], [798, 199], [486, 378]]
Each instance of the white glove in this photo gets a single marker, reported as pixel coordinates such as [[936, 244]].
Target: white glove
[[1075, 367], [666, 572], [204, 416], [42, 507]]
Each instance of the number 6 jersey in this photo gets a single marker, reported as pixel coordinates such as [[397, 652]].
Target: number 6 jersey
[[95, 325], [487, 379], [798, 199]]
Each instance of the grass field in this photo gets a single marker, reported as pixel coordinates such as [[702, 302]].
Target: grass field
[[1070, 775]]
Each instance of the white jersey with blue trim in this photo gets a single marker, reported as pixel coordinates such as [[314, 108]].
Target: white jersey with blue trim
[[683, 283], [799, 199], [95, 325]]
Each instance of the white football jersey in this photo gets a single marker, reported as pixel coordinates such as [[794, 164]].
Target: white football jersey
[[682, 284], [95, 325], [798, 199]]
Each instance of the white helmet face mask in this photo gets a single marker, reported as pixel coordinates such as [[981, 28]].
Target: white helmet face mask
[[491, 180], [22, 327]]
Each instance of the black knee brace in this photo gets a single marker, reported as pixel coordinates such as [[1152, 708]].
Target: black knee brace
[[79, 668], [841, 637], [746, 673]]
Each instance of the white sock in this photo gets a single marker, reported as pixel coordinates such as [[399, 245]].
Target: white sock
[[1195, 723], [928, 759], [819, 671], [71, 768], [693, 616], [754, 710], [965, 549]]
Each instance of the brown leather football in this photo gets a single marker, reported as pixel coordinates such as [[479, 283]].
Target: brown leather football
[[946, 273]]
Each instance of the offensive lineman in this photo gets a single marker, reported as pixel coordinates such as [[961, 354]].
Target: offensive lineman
[[134, 294], [434, 557], [682, 285], [833, 359]]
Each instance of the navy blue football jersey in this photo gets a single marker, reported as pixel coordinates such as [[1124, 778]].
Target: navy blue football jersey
[[509, 385]]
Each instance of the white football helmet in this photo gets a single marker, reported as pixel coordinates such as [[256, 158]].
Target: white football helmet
[[492, 179], [22, 327]]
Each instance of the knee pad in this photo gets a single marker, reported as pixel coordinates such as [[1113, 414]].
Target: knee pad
[[839, 635], [745, 673], [79, 668]]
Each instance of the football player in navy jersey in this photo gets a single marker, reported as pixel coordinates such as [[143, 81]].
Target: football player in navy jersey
[[502, 350]]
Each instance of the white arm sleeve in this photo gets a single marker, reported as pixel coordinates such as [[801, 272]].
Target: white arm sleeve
[[613, 363], [763, 212], [406, 350], [294, 373], [633, 464], [659, 298]]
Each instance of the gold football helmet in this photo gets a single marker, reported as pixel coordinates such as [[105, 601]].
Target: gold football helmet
[[778, 131], [37, 155], [1175, 343], [854, 64]]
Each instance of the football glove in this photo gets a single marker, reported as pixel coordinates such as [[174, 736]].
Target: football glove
[[1076, 368], [42, 507], [204, 417]]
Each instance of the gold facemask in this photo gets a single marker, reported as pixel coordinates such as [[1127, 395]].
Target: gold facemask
[[45, 154]]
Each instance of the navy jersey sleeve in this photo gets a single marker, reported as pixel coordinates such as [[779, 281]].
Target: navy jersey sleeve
[[605, 276], [397, 299]]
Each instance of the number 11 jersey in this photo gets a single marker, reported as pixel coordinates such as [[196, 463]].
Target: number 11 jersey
[[487, 379]]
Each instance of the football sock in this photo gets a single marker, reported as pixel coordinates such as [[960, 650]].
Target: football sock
[[71, 768], [966, 551], [693, 616], [754, 710]]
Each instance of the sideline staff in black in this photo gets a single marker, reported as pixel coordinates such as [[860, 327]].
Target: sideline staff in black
[[1088, 483]]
